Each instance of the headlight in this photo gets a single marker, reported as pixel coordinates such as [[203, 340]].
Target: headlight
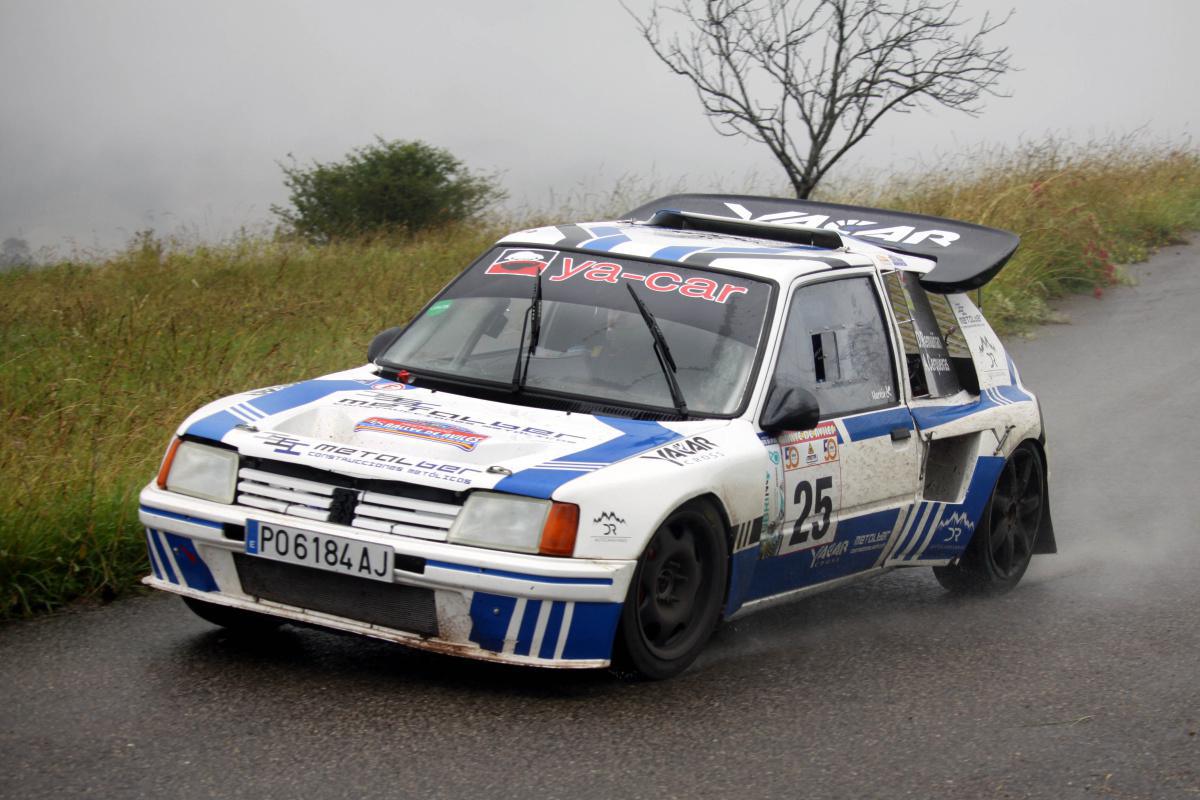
[[199, 470], [518, 524]]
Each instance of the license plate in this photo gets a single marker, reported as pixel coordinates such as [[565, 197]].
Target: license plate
[[319, 550]]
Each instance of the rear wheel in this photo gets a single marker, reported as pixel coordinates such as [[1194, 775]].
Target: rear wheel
[[1001, 548], [235, 619], [674, 599]]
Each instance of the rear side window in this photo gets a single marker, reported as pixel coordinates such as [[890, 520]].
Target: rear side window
[[835, 345], [925, 321]]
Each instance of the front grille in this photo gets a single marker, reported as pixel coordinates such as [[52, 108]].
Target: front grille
[[389, 605], [292, 496], [404, 515], [384, 506]]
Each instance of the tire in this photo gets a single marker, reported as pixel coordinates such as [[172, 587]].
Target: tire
[[675, 596], [1000, 550], [233, 619]]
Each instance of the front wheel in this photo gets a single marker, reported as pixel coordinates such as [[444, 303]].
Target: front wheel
[[1001, 548], [674, 599]]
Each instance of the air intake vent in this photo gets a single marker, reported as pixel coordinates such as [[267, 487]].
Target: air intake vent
[[292, 496], [385, 506]]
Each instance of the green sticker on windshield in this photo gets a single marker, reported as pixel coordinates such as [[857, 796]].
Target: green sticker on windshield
[[440, 307]]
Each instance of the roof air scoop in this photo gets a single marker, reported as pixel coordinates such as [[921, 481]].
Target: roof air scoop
[[710, 223]]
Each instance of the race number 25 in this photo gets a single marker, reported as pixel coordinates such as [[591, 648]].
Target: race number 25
[[813, 502]]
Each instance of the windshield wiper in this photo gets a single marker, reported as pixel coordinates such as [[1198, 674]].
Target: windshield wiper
[[663, 352], [533, 321]]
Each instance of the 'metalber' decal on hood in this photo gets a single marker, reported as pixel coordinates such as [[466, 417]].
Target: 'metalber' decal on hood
[[366, 427]]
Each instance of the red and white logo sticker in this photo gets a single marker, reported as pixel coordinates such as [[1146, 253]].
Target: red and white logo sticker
[[521, 261], [438, 432]]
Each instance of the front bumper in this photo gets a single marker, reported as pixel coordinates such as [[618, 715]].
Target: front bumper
[[489, 604]]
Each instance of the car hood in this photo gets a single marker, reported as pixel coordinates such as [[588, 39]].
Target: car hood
[[357, 424]]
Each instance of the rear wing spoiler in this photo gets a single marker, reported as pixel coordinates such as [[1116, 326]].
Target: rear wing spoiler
[[967, 255]]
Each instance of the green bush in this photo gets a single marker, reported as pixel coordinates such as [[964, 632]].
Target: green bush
[[386, 187]]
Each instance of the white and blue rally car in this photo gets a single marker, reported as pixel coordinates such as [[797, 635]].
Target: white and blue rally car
[[601, 439]]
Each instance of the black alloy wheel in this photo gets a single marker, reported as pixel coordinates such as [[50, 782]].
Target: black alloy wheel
[[674, 599], [1000, 551]]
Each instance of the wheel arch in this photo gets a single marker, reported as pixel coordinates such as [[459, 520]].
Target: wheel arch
[[718, 505]]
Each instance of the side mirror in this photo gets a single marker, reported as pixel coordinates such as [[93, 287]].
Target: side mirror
[[789, 408], [382, 342]]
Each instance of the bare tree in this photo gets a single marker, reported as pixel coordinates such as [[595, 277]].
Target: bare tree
[[811, 78]]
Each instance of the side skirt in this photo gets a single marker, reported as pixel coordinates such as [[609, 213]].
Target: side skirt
[[804, 591]]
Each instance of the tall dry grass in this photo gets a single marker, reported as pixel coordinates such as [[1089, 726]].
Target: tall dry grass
[[100, 361], [1080, 212]]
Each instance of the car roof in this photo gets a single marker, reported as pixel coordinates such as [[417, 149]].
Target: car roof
[[749, 255]]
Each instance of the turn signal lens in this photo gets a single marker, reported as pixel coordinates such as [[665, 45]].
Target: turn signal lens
[[168, 459], [558, 534]]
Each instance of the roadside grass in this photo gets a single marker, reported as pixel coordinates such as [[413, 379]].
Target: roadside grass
[[99, 362]]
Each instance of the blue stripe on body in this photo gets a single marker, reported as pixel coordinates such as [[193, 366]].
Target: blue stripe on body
[[490, 615], [155, 537], [503, 573], [593, 626], [924, 528], [681, 252], [1013, 393], [183, 517], [675, 252], [911, 515], [932, 416], [637, 436], [753, 578], [528, 623], [215, 426], [741, 573], [605, 243], [553, 628], [195, 573], [798, 569], [150, 554], [874, 424]]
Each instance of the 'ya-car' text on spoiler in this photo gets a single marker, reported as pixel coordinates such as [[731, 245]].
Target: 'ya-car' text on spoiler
[[967, 255]]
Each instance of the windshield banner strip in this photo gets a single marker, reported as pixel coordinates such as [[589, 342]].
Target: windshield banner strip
[[637, 436]]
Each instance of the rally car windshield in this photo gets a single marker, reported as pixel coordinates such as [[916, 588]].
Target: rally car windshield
[[593, 342]]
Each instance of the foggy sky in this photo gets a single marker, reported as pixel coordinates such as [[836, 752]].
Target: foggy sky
[[122, 115]]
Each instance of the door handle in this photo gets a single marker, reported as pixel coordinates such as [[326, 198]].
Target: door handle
[[900, 434]]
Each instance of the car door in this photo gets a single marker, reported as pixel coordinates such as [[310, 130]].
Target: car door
[[846, 479]]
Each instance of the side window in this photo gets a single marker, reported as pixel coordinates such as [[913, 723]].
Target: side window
[[956, 343], [836, 346], [931, 370]]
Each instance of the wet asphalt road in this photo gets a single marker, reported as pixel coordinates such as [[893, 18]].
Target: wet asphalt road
[[1085, 682]]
